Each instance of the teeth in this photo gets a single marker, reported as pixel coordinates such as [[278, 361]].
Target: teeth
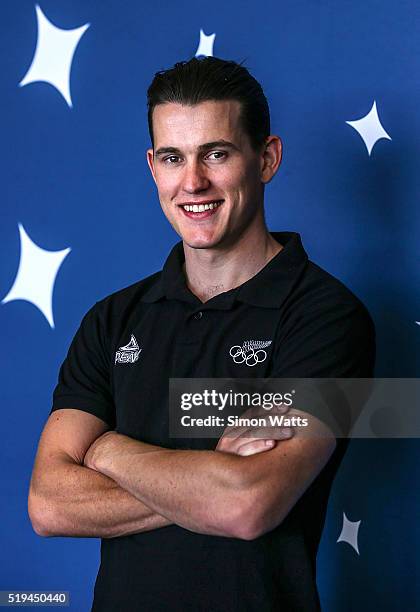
[[200, 207]]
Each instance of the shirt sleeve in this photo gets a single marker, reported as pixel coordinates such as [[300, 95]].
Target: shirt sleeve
[[84, 381], [328, 342]]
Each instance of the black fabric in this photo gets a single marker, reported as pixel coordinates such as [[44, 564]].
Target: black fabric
[[317, 328]]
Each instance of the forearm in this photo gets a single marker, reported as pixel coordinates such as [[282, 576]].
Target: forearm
[[80, 502], [198, 490]]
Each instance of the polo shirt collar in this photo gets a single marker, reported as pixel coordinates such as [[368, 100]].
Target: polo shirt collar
[[269, 288]]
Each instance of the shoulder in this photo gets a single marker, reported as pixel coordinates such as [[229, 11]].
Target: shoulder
[[318, 286], [123, 298], [326, 327], [126, 298], [118, 308], [319, 293]]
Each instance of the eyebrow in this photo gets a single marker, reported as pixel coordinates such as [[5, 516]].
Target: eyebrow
[[204, 147]]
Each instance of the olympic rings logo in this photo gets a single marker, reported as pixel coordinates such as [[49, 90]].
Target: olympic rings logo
[[249, 356]]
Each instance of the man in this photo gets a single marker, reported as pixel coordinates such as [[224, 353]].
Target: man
[[232, 525]]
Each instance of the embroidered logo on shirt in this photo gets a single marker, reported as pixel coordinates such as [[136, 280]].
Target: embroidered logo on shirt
[[128, 353], [251, 352]]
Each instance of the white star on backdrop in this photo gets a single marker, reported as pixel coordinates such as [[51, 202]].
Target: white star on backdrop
[[36, 275], [349, 533], [205, 46], [370, 128], [53, 56]]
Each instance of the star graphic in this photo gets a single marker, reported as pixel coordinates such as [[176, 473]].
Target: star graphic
[[53, 56], [36, 275], [205, 46], [370, 128], [349, 532]]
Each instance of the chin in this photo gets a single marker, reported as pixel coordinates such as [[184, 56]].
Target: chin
[[197, 239], [200, 243]]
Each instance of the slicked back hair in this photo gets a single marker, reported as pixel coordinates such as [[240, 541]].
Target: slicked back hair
[[211, 78]]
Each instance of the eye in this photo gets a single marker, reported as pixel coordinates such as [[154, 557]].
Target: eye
[[172, 158], [217, 154]]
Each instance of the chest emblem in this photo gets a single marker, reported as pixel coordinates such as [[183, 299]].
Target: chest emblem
[[251, 352], [128, 353]]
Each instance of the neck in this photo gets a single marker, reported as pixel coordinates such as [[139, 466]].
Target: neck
[[212, 271]]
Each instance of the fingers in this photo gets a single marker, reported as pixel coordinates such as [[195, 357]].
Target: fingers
[[254, 447], [267, 433], [255, 412], [247, 445], [252, 439]]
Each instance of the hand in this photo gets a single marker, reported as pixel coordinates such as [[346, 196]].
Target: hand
[[244, 441], [97, 450]]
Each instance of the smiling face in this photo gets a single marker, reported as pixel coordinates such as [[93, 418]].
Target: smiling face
[[209, 179]]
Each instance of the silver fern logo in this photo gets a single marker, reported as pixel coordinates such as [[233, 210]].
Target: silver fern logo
[[251, 352]]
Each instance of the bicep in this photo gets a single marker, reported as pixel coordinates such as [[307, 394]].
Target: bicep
[[65, 439]]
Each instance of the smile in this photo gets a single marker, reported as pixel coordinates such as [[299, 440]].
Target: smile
[[201, 211]]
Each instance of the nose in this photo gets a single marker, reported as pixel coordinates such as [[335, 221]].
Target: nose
[[195, 177]]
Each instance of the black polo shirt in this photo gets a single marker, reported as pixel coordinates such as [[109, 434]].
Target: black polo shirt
[[117, 368]]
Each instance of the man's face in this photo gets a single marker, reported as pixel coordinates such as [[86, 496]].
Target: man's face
[[203, 158]]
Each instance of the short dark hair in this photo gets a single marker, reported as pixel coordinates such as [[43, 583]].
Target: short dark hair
[[211, 78]]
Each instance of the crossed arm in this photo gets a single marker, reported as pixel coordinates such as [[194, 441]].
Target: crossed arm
[[92, 483]]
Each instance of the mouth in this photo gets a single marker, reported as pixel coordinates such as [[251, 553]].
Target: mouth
[[201, 210]]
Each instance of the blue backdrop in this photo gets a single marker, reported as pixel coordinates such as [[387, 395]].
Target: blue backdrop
[[73, 128]]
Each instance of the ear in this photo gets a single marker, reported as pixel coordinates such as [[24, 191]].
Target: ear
[[271, 158], [151, 162]]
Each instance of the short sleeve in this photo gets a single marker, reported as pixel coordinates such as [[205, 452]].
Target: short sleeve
[[84, 377], [328, 342]]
